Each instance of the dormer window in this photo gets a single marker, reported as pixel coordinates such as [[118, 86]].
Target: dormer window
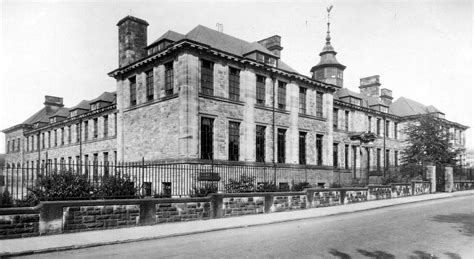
[[384, 109], [266, 59], [159, 47], [52, 120], [356, 101], [73, 113]]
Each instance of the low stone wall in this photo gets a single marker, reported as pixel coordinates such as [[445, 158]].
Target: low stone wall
[[325, 198], [461, 185], [401, 190], [68, 216], [80, 218], [182, 211], [355, 196], [288, 202], [239, 206], [22, 225], [379, 192], [421, 187]]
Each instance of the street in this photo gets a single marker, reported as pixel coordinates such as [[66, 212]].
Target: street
[[433, 229]]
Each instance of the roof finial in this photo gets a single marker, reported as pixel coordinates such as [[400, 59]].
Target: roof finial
[[328, 37]]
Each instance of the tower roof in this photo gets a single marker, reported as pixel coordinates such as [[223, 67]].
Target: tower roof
[[328, 54]]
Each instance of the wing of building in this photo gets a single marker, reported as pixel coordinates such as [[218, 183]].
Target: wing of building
[[208, 96]]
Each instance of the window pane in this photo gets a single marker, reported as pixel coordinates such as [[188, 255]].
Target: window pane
[[234, 140], [281, 145], [234, 84], [169, 78], [207, 77], [302, 148], [319, 149], [302, 100], [260, 89], [281, 95], [260, 144], [319, 104], [335, 118], [149, 85], [206, 138]]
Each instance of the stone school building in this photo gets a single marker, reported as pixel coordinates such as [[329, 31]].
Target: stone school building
[[208, 97]]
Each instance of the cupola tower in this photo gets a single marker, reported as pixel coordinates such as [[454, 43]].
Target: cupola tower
[[328, 70]]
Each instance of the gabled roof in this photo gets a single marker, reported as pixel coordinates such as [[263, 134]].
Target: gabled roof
[[255, 46], [224, 42], [344, 92], [84, 105], [108, 97], [169, 35], [372, 101], [40, 116], [407, 107], [62, 112]]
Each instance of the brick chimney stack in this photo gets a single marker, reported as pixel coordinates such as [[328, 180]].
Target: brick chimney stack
[[370, 86], [52, 103], [386, 96], [132, 40], [273, 44]]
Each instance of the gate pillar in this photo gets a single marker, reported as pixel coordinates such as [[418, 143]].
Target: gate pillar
[[448, 177], [431, 175]]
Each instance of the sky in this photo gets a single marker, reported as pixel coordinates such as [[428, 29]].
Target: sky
[[421, 49]]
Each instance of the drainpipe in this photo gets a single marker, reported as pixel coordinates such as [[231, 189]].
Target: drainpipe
[[80, 146], [273, 126], [384, 151], [39, 153]]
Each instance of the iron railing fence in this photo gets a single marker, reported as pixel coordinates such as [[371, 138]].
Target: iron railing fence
[[463, 173], [160, 179]]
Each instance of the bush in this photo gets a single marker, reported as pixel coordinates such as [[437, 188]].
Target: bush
[[205, 190], [60, 186], [115, 186], [5, 199], [266, 187], [66, 185], [244, 184], [300, 186]]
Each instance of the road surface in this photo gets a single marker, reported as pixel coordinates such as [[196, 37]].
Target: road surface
[[433, 229]]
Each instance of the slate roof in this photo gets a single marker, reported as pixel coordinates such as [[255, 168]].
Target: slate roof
[[84, 105], [108, 97], [62, 112], [344, 92], [169, 35], [40, 116], [224, 42], [407, 107]]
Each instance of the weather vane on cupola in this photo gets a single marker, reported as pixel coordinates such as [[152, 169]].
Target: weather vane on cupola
[[328, 37]]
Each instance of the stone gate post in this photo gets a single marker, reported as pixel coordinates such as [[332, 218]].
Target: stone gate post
[[448, 177], [431, 175]]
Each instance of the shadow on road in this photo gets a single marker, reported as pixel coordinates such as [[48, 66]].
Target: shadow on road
[[464, 221], [384, 255], [339, 254], [376, 254], [422, 255]]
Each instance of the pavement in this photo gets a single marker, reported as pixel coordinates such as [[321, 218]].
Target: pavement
[[68, 241]]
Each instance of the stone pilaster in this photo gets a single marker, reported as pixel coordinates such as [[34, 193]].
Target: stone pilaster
[[328, 137], [292, 93], [248, 93], [187, 82], [122, 90]]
